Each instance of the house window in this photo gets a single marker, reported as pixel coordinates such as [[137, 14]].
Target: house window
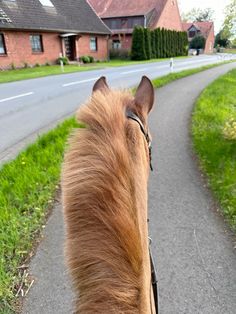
[[116, 44], [93, 44], [36, 43], [192, 34], [114, 24], [2, 45]]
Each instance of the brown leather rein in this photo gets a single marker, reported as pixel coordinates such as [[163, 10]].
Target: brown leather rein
[[133, 116]]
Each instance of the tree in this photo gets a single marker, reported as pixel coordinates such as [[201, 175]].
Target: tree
[[147, 40], [229, 26], [138, 44], [153, 44], [222, 40], [198, 42], [198, 15]]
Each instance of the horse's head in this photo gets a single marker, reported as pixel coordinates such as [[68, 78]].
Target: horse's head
[[136, 110]]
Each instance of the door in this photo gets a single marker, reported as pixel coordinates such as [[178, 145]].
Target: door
[[70, 47]]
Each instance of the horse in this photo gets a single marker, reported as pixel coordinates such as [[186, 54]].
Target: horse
[[104, 191]]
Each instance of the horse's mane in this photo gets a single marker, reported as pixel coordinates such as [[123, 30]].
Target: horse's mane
[[103, 239]]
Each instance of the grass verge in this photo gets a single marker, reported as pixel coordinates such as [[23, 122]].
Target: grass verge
[[214, 138], [27, 187], [36, 72]]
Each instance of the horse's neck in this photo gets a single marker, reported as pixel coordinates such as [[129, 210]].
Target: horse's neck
[[142, 213]]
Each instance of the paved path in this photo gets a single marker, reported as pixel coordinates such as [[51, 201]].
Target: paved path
[[193, 249]]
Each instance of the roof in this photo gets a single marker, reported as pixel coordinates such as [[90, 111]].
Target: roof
[[64, 16], [204, 27], [114, 8]]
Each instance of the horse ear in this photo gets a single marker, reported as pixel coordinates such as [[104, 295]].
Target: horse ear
[[100, 84], [144, 96]]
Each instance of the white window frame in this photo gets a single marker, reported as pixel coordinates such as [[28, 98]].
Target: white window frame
[[93, 43]]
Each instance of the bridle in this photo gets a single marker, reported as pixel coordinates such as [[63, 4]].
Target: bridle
[[133, 116]]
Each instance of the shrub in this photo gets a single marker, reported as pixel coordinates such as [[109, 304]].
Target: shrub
[[13, 67], [26, 65], [198, 42], [85, 59], [37, 65], [119, 54], [91, 59], [64, 60]]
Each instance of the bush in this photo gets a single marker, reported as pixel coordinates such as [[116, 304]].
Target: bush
[[37, 65], [85, 59], [198, 42], [64, 60], [91, 59]]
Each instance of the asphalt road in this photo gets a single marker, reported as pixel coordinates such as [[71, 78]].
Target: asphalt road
[[194, 250], [28, 108]]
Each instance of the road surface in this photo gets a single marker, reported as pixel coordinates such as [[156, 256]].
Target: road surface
[[28, 108]]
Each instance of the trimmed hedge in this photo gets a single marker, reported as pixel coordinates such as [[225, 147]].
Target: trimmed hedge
[[158, 43]]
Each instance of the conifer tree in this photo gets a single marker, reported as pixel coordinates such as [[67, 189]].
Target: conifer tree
[[138, 44], [147, 40]]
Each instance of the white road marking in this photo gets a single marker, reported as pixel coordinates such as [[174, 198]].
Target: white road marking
[[80, 82], [18, 96], [133, 71]]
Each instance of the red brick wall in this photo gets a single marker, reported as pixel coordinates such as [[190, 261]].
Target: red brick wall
[[170, 17], [19, 49], [102, 47], [210, 41]]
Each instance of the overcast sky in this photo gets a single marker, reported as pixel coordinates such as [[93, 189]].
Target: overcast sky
[[217, 5]]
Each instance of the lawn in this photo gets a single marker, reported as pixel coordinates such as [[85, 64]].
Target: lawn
[[214, 137], [27, 189], [41, 71], [230, 51]]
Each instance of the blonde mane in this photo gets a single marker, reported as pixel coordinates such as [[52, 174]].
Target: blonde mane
[[103, 244]]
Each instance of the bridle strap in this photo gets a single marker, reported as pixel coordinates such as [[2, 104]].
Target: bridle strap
[[133, 116]]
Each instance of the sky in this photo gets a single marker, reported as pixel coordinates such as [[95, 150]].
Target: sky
[[217, 5]]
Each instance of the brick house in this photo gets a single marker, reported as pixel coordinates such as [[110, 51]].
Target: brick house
[[122, 16], [206, 29], [39, 31]]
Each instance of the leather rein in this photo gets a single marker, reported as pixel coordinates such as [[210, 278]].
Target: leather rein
[[133, 116]]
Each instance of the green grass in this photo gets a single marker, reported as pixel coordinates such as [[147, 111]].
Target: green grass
[[161, 81], [27, 188], [29, 73], [217, 105], [230, 51]]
